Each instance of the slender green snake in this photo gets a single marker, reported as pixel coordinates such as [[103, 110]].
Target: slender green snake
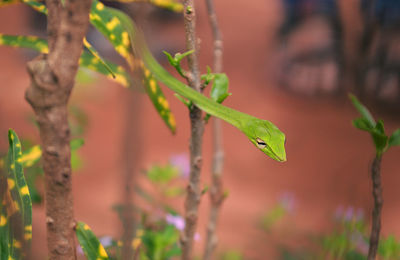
[[262, 133]]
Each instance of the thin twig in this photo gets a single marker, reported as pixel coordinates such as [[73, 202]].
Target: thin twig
[[197, 128], [52, 80], [378, 202], [216, 190]]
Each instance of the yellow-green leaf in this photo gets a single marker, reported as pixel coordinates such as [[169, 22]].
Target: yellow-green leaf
[[31, 42], [87, 60], [16, 208], [166, 4], [7, 2], [112, 29], [158, 99], [105, 20], [90, 244]]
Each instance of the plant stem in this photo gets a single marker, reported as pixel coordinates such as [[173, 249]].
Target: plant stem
[[216, 190], [52, 80], [197, 128], [378, 202]]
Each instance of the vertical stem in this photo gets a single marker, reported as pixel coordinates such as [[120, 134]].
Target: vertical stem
[[378, 202], [52, 80], [216, 190], [197, 128]]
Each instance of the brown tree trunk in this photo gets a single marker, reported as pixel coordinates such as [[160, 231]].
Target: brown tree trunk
[[52, 80]]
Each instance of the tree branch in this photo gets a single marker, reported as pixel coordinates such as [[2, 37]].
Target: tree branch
[[378, 203], [197, 128], [216, 190], [52, 79]]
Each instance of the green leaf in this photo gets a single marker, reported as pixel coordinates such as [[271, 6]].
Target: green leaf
[[16, 206], [362, 124], [103, 19], [362, 110], [158, 99], [162, 174], [31, 42], [97, 55], [108, 23], [176, 61], [219, 90], [90, 244], [87, 60], [77, 143], [394, 140], [380, 127], [380, 141], [165, 4], [37, 6], [107, 70], [7, 2]]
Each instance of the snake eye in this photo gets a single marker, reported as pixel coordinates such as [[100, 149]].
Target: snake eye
[[260, 143]]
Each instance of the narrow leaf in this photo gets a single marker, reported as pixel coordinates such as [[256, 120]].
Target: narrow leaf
[[87, 60], [31, 42], [110, 26], [90, 244], [16, 209], [395, 138], [33, 154], [97, 55], [362, 110], [158, 99], [166, 4], [7, 2]]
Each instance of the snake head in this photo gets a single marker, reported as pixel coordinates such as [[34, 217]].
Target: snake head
[[268, 138]]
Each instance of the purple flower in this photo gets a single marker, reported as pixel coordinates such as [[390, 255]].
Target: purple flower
[[177, 221], [181, 161], [287, 201], [106, 241], [360, 243], [197, 237], [349, 214]]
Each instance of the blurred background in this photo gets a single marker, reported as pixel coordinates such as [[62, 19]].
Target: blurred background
[[292, 62]]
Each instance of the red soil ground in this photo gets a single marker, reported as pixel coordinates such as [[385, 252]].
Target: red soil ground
[[328, 159]]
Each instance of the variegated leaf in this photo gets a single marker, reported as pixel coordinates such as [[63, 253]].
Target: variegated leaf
[[16, 209], [90, 244], [87, 60], [110, 26], [158, 99], [112, 29], [166, 4]]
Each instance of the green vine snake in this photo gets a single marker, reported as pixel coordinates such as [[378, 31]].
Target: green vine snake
[[262, 133]]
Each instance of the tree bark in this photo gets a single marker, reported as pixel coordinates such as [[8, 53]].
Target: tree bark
[[52, 80]]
